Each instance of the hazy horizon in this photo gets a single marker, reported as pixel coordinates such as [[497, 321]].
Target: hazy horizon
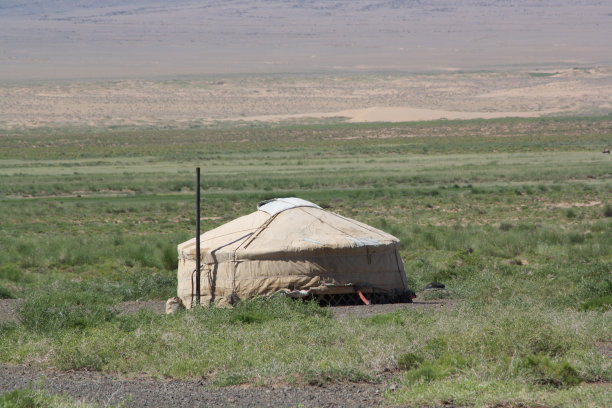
[[138, 38]]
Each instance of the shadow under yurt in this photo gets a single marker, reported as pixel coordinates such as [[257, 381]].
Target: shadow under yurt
[[295, 247]]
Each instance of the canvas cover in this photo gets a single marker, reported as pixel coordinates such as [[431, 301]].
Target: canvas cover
[[290, 245]]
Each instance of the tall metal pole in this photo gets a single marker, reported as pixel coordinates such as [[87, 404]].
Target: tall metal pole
[[198, 236]]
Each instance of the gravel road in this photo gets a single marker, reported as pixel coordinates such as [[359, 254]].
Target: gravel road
[[106, 390]]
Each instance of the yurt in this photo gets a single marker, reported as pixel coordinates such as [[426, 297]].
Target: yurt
[[293, 246]]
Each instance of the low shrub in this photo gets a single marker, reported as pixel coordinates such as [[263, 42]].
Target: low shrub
[[5, 293], [426, 371], [385, 319], [442, 367], [37, 398], [595, 290], [249, 316], [262, 309], [408, 361], [169, 258], [12, 272], [545, 371], [601, 303], [7, 328], [24, 398], [576, 238]]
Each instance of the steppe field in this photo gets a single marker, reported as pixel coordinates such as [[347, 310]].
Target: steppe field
[[491, 171], [514, 215]]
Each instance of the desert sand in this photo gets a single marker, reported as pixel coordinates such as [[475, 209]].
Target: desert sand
[[202, 101]]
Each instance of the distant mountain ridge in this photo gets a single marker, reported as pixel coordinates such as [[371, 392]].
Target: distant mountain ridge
[[38, 7]]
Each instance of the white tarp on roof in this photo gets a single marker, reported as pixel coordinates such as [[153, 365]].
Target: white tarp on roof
[[281, 204]]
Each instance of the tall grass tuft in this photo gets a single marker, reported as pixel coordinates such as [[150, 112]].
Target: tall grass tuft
[[5, 293], [545, 371], [261, 309], [13, 273]]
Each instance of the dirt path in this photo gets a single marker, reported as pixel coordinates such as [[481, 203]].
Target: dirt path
[[9, 310]]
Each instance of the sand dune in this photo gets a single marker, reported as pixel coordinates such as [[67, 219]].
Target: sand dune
[[407, 114], [396, 114]]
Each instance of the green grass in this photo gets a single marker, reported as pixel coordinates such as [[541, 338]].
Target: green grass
[[543, 74], [38, 398], [511, 214]]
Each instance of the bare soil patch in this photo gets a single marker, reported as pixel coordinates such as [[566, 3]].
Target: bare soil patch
[[371, 310], [577, 204], [9, 308], [157, 306], [605, 347]]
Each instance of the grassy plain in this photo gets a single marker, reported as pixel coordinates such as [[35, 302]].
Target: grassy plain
[[513, 215]]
